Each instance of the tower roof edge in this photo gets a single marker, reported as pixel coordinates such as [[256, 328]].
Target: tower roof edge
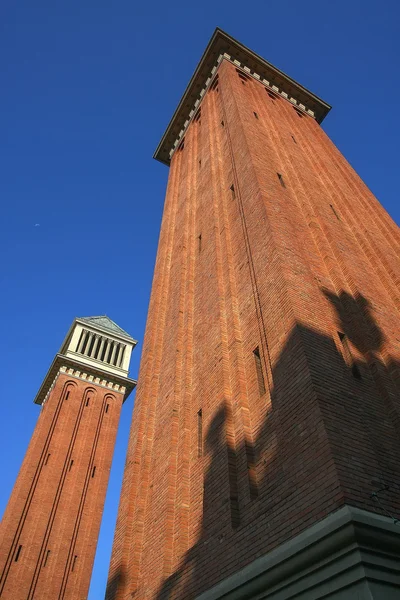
[[104, 322], [223, 45]]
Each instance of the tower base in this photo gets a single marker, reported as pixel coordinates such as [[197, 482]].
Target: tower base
[[350, 555]]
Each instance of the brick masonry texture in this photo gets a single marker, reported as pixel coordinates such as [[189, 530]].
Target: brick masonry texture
[[54, 512], [269, 241]]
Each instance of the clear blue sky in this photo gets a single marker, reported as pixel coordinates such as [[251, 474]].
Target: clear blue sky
[[87, 90]]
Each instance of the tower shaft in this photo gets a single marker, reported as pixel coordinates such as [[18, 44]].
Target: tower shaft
[[49, 531], [268, 401]]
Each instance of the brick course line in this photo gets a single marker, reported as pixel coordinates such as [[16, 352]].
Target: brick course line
[[237, 377], [171, 508], [187, 410], [231, 429], [57, 495], [67, 386], [78, 519], [143, 494], [256, 296]]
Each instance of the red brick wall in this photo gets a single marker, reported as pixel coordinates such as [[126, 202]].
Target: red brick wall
[[55, 509], [285, 269]]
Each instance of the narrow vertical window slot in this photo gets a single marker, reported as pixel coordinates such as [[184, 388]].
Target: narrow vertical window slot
[[73, 562], [334, 212], [232, 188], [223, 124], [80, 340], [281, 180], [200, 433], [122, 356], [97, 349], [255, 114], [89, 340], [116, 355], [93, 346], [47, 459], [46, 558], [87, 402], [107, 407], [103, 354], [86, 345], [199, 239], [259, 371], [348, 356], [70, 465], [93, 471], [18, 553], [67, 395], [113, 353], [107, 351], [108, 359], [83, 350], [92, 342], [294, 139]]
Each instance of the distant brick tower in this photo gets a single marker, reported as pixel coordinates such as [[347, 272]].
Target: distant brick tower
[[49, 531], [264, 459]]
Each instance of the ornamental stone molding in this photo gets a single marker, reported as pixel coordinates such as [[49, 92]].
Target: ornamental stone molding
[[223, 47], [95, 350]]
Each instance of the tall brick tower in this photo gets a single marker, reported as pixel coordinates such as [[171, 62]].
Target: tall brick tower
[[264, 458], [49, 531]]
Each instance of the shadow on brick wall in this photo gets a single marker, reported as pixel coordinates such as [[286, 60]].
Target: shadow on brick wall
[[114, 584], [331, 437]]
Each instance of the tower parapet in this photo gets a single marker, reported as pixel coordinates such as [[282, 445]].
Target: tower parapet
[[95, 349]]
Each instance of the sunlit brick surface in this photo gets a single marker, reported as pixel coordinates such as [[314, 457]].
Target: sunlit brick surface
[[284, 263], [49, 532]]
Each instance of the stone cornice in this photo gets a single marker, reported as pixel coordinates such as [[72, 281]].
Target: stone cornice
[[336, 553], [65, 365], [224, 47]]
